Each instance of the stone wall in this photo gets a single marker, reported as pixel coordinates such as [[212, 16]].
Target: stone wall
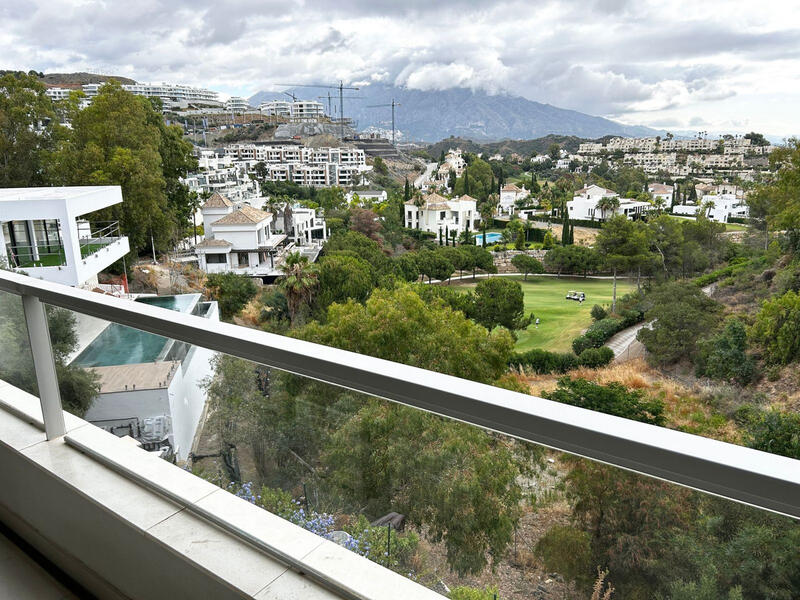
[[502, 260]]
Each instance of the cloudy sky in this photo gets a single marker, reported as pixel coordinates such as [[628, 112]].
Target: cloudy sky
[[695, 65]]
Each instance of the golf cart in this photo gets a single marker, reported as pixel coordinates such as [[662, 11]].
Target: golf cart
[[573, 295]]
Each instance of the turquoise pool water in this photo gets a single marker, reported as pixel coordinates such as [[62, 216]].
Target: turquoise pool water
[[491, 238], [121, 345]]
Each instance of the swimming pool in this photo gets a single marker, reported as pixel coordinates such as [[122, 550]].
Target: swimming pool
[[121, 345], [491, 238]]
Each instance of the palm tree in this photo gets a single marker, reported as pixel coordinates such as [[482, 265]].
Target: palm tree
[[298, 282], [607, 204]]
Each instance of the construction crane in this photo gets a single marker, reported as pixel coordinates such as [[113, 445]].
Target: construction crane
[[291, 95], [330, 110], [341, 87], [393, 104]]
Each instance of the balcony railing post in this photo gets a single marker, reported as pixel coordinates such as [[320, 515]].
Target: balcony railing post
[[45, 367]]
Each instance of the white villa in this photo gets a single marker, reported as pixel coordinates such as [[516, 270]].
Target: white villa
[[584, 205], [237, 239], [438, 213], [453, 161], [661, 191], [41, 233], [250, 241], [725, 207], [509, 194]]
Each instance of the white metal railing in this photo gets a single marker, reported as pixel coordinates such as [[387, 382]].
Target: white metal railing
[[742, 474]]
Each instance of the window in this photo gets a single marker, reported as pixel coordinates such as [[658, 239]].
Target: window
[[244, 259], [441, 215], [216, 259]]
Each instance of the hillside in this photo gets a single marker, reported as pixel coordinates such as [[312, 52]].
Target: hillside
[[434, 115], [522, 147], [81, 78]]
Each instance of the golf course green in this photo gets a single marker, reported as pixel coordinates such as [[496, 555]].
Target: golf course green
[[560, 320]]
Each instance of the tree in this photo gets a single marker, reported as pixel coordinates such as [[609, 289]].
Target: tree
[[500, 301], [479, 258], [680, 314], [777, 328], [527, 264], [78, 386], [342, 278], [298, 283], [434, 265], [380, 166], [724, 355], [554, 151], [120, 139], [27, 132], [777, 205], [365, 222], [232, 291], [623, 245], [607, 204]]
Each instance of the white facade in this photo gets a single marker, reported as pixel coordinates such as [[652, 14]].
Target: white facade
[[661, 191], [236, 104], [726, 206], [584, 205], [438, 213], [40, 233], [366, 196], [509, 194], [158, 402], [172, 95], [304, 165]]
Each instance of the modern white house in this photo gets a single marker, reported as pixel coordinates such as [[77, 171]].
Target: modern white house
[[237, 104], [151, 387], [438, 213], [509, 194], [720, 208], [366, 196], [583, 206], [42, 234]]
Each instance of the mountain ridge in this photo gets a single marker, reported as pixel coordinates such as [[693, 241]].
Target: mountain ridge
[[462, 112]]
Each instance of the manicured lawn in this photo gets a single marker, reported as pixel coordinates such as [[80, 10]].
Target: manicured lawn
[[561, 320]]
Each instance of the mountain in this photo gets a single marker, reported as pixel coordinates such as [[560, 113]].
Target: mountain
[[433, 115]]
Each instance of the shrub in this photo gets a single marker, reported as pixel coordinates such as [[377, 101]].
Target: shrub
[[724, 355], [544, 362], [598, 312], [612, 399], [596, 357], [598, 333], [777, 328]]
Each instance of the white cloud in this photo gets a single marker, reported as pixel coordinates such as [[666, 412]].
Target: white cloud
[[722, 61]]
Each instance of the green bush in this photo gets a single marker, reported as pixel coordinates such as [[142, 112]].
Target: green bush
[[599, 332], [543, 362], [464, 592], [724, 355], [612, 399], [598, 312], [777, 328], [596, 357]]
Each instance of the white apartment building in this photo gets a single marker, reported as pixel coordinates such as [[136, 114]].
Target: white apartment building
[[303, 165], [652, 162], [438, 213], [172, 95], [632, 144], [590, 148], [453, 161], [41, 233], [237, 104], [583, 206], [509, 194], [298, 110], [58, 93], [231, 181]]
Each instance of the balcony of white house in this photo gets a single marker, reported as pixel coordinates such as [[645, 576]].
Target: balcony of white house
[[122, 523]]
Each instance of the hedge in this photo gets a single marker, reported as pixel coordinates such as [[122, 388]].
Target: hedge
[[576, 222], [600, 331], [543, 362]]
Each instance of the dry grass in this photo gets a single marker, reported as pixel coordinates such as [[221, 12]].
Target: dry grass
[[685, 408]]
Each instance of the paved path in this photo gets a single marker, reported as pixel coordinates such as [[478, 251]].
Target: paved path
[[420, 181]]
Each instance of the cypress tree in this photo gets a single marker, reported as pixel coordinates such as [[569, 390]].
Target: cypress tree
[[440, 236], [446, 235], [571, 234], [466, 182]]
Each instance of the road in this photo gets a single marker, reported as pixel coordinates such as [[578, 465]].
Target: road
[[420, 181]]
